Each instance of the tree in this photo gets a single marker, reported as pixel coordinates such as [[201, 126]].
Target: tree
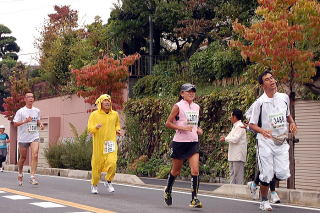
[[8, 45], [18, 86], [57, 38], [107, 76], [180, 27], [286, 40]]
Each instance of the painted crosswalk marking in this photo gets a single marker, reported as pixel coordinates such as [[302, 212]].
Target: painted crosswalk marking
[[17, 197], [47, 204], [57, 201]]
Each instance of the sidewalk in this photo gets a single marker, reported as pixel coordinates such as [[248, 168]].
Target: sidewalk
[[290, 196]]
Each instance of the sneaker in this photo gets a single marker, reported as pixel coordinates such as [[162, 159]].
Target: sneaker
[[167, 197], [1, 169], [33, 180], [109, 186], [94, 189], [274, 198], [253, 190], [20, 177], [195, 203], [265, 206]]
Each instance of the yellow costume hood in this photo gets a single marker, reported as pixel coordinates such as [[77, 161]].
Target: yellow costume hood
[[102, 98]]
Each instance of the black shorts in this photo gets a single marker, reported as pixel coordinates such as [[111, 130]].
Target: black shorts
[[183, 150]]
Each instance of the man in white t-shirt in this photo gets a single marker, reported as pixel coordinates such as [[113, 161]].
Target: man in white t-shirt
[[270, 118], [27, 120]]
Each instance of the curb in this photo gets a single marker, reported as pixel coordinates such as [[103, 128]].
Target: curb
[[291, 196], [80, 174]]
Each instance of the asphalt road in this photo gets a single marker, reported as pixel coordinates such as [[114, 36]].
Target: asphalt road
[[58, 194]]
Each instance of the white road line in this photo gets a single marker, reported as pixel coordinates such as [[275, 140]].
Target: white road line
[[204, 195], [17, 197], [47, 205]]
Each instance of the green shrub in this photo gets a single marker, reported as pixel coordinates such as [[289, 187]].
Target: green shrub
[[147, 135], [73, 153], [216, 62]]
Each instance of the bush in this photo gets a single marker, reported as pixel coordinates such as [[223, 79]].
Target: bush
[[147, 135], [216, 62], [72, 153]]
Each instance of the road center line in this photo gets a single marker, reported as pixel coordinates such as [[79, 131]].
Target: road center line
[[63, 202]]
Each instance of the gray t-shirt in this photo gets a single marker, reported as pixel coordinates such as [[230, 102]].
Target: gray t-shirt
[[27, 132]]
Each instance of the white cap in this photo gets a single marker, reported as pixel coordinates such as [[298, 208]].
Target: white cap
[[2, 127]]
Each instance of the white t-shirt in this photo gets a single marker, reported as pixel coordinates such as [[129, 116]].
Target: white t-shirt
[[27, 132], [274, 113]]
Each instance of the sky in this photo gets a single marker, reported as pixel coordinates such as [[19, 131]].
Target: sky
[[25, 18]]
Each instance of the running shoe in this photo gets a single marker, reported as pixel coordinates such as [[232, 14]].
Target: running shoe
[[167, 197], [1, 169], [195, 203], [274, 198], [94, 189], [109, 186], [20, 177], [265, 206], [253, 190], [33, 180]]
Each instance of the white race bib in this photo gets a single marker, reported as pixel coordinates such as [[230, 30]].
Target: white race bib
[[3, 143], [109, 146], [192, 118], [32, 127], [278, 120]]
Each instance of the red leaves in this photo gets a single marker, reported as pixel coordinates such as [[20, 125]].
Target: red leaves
[[107, 76]]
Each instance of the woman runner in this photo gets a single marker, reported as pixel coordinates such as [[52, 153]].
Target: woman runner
[[184, 119]]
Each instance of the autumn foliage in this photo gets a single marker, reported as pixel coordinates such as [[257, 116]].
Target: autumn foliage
[[107, 76], [18, 86], [285, 40]]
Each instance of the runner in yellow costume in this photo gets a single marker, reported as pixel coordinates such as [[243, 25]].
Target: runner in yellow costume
[[104, 125]]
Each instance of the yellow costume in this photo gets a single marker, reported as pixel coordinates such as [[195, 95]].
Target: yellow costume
[[101, 160]]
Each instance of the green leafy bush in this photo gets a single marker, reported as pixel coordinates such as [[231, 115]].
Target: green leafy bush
[[146, 134], [216, 62], [73, 153]]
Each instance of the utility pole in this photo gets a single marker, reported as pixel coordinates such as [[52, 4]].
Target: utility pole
[[150, 44]]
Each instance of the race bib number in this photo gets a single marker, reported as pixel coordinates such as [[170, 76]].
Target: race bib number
[[109, 146], [192, 118], [277, 120], [32, 127], [2, 143]]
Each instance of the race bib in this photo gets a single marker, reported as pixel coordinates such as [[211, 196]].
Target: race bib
[[278, 120], [32, 127], [109, 146], [192, 118], [3, 143]]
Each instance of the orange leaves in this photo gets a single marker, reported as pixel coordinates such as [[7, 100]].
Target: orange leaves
[[107, 76], [283, 39]]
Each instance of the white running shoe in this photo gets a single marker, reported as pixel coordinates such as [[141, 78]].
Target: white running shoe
[[33, 180], [94, 189], [274, 198], [253, 188], [265, 206], [109, 186], [1, 169]]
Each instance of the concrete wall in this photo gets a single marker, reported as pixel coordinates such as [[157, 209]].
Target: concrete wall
[[70, 109]]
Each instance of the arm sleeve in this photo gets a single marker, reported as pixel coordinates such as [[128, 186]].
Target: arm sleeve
[[118, 127], [235, 135], [92, 124], [288, 104], [255, 113], [7, 136], [17, 117]]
